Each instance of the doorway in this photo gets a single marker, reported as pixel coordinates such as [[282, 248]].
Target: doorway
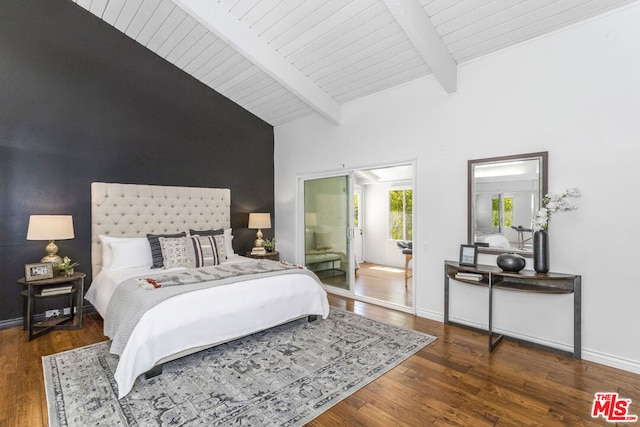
[[353, 223], [385, 207]]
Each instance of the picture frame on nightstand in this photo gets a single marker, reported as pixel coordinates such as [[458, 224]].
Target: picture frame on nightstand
[[38, 271]]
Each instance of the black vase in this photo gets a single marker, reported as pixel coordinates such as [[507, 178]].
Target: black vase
[[511, 262], [541, 251]]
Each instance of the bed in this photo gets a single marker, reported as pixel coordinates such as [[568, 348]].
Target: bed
[[122, 216]]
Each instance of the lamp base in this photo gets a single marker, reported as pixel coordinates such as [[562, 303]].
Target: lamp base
[[52, 250], [53, 259]]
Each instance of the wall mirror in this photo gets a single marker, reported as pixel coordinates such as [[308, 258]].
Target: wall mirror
[[504, 194]]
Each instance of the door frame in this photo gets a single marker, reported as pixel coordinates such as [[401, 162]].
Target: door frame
[[359, 238]]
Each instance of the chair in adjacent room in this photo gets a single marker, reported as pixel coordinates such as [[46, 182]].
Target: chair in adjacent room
[[407, 250]]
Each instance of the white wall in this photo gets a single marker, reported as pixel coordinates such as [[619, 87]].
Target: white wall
[[378, 248], [576, 94]]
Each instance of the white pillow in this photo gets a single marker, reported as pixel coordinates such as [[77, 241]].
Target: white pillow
[[106, 250], [119, 253], [228, 238]]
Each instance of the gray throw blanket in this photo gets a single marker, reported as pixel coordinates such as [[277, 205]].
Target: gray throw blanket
[[130, 300]]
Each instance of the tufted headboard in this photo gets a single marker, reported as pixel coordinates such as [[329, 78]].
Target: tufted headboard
[[132, 210]]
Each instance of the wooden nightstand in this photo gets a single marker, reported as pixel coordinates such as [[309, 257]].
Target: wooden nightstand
[[49, 288], [274, 256]]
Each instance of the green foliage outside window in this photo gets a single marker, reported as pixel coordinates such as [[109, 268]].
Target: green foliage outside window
[[508, 211], [355, 210], [401, 214]]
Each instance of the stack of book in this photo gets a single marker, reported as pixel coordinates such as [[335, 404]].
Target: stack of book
[[468, 276], [54, 290]]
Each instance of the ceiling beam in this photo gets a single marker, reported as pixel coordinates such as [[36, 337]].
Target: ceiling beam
[[416, 24], [226, 27]]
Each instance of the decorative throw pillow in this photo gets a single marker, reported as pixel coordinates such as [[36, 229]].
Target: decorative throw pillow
[[323, 241], [220, 247], [228, 238], [177, 252], [156, 250], [204, 251], [206, 232]]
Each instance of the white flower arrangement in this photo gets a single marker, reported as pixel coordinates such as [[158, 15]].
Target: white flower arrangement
[[552, 203]]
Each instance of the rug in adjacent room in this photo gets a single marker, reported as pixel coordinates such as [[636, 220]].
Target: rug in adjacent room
[[286, 375]]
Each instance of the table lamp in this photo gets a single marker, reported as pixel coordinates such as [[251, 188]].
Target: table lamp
[[259, 221], [310, 219], [51, 228]]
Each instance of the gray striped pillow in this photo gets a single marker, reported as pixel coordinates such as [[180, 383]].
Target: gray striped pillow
[[205, 252]]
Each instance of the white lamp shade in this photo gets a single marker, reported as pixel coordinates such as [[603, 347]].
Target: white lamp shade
[[311, 219], [259, 220], [50, 227]]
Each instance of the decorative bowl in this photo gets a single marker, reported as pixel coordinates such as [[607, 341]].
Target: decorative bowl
[[511, 262]]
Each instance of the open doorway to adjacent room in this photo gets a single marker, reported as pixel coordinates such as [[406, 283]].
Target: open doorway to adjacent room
[[383, 225], [358, 232]]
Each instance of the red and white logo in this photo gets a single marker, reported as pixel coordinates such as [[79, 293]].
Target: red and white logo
[[612, 408]]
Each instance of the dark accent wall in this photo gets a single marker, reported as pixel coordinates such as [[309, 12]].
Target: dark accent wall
[[82, 102]]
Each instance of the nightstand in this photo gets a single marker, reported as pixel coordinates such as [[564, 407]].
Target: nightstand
[[59, 286], [274, 256]]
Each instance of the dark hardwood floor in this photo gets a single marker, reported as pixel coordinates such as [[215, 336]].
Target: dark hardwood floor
[[453, 381]]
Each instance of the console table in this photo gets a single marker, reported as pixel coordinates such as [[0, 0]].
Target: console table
[[525, 281]]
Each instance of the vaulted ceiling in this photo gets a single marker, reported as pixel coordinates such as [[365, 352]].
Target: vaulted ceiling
[[286, 59]]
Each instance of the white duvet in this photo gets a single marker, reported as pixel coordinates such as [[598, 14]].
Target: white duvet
[[206, 317]]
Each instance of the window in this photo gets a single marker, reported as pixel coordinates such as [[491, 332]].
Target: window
[[506, 213], [356, 210], [401, 214]]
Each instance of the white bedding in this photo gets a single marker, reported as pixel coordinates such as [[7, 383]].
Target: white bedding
[[206, 317]]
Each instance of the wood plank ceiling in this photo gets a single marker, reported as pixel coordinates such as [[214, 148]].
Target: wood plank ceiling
[[285, 59]]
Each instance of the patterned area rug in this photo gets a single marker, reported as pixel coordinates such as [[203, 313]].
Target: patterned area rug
[[284, 376]]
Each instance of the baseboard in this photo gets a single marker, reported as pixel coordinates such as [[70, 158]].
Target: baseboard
[[612, 361], [431, 315], [517, 335], [18, 321], [11, 323], [385, 304], [590, 355]]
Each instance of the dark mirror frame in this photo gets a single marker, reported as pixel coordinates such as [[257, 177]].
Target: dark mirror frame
[[544, 189]]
